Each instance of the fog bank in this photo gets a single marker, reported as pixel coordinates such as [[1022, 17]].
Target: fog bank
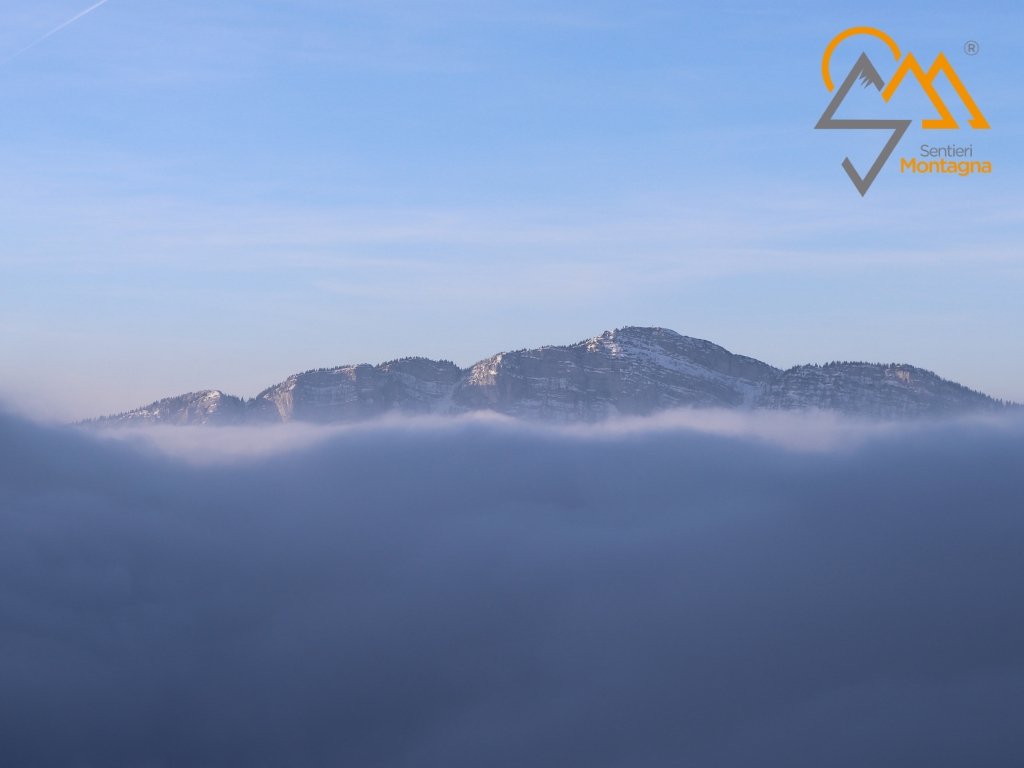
[[480, 593]]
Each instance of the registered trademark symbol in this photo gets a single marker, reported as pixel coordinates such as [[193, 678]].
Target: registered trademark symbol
[[971, 48]]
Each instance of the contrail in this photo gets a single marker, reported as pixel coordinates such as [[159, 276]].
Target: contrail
[[55, 30]]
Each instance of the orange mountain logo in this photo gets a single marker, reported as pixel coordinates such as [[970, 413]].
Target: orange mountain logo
[[865, 71]]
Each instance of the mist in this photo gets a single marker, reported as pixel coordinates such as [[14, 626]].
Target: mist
[[777, 592]]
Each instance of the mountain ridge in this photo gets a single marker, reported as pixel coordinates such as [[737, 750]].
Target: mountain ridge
[[629, 371]]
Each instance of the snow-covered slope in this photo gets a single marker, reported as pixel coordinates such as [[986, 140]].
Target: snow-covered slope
[[207, 407], [864, 389], [630, 371]]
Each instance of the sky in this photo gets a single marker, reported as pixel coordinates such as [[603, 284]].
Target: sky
[[475, 592], [216, 195]]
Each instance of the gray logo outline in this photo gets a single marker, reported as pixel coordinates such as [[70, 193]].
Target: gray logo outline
[[863, 70]]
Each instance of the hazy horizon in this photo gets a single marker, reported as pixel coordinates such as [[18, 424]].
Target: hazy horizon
[[29, 404]]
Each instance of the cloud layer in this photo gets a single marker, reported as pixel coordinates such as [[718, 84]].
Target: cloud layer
[[483, 595]]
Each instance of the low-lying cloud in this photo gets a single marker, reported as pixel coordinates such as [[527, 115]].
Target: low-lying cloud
[[484, 594]]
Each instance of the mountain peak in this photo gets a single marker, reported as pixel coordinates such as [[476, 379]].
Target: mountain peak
[[634, 370]]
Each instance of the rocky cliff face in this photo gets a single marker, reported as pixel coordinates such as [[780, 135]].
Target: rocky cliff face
[[355, 392], [632, 371]]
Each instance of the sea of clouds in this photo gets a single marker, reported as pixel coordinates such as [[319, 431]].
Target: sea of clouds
[[701, 590]]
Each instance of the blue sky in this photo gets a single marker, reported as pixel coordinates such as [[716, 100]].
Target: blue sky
[[201, 195]]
